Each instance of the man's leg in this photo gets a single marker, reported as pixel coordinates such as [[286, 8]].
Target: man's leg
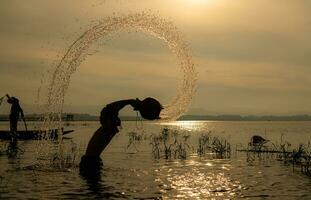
[[13, 129]]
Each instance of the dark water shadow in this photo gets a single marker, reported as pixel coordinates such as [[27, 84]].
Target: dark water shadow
[[97, 187]]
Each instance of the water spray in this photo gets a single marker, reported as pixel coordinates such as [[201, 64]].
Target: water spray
[[1, 99], [146, 22]]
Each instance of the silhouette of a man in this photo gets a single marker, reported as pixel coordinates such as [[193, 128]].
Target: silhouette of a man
[[16, 110], [91, 163]]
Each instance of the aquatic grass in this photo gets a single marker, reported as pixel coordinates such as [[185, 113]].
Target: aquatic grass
[[300, 157], [155, 143], [305, 166], [134, 139], [160, 144], [170, 144], [11, 149], [220, 148], [283, 151], [3, 148], [204, 144], [65, 157], [181, 145], [4, 182]]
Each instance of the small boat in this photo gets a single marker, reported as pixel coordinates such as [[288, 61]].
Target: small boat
[[33, 134]]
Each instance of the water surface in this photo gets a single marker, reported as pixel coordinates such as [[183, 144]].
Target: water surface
[[131, 172]]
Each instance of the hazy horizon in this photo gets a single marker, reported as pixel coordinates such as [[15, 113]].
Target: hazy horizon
[[128, 111]]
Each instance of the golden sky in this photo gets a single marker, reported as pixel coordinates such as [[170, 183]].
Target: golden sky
[[253, 57]]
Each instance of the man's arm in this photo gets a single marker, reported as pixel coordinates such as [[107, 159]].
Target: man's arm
[[118, 105], [21, 111], [10, 100], [111, 111]]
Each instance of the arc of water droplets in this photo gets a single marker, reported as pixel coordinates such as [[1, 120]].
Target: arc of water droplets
[[144, 21]]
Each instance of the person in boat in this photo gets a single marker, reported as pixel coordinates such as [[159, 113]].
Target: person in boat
[[16, 111], [91, 162]]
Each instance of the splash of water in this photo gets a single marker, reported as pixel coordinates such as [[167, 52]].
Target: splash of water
[[143, 21], [1, 99]]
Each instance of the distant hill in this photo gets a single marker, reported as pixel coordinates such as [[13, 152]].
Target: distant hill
[[247, 118]]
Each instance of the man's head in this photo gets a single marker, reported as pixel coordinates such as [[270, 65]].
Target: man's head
[[150, 108]]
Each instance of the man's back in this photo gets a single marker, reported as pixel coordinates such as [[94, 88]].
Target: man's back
[[100, 140]]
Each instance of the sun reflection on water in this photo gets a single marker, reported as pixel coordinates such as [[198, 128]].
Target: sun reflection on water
[[187, 125], [194, 179]]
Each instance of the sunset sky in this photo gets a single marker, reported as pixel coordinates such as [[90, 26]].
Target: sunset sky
[[252, 57]]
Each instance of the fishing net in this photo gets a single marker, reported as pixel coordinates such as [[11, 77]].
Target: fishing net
[[1, 100]]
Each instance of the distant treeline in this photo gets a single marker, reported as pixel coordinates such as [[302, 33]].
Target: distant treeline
[[87, 117], [66, 117], [246, 118]]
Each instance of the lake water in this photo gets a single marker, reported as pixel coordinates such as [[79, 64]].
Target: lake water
[[131, 170]]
